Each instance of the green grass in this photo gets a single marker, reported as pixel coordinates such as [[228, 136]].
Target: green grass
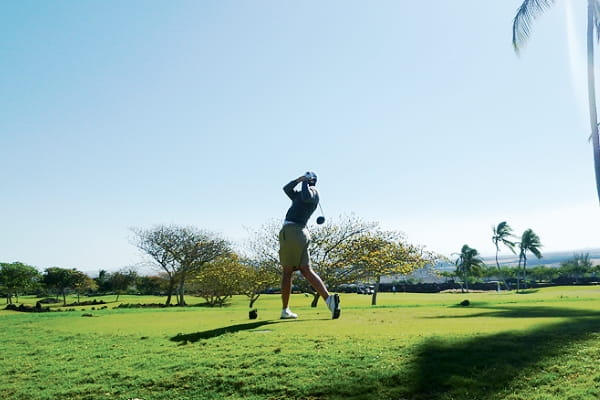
[[539, 345]]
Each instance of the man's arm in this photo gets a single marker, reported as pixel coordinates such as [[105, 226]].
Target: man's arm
[[289, 188], [309, 194]]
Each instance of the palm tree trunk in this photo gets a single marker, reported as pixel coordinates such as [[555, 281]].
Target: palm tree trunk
[[525, 271], [519, 273], [592, 95], [500, 272]]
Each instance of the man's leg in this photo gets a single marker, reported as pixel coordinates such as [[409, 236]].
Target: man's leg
[[286, 290], [286, 286], [315, 281], [333, 302]]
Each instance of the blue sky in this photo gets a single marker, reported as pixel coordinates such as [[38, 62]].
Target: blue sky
[[416, 115]]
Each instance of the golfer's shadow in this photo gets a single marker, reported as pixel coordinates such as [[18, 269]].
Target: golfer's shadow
[[194, 337]]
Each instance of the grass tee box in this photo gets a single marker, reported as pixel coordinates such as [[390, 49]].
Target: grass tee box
[[537, 345]]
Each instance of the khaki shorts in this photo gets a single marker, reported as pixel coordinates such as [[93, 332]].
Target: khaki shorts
[[293, 246]]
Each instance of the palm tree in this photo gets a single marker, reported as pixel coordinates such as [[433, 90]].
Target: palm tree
[[502, 233], [530, 241], [468, 263], [531, 9]]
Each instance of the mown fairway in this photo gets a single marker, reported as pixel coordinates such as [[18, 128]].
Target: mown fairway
[[538, 345]]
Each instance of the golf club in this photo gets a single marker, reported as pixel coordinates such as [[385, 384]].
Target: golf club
[[321, 219]]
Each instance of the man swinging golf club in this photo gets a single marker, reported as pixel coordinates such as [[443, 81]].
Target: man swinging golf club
[[293, 244]]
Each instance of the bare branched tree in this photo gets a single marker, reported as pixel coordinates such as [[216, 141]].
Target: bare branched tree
[[180, 252]]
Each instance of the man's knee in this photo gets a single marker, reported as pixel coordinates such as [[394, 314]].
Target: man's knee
[[306, 269]]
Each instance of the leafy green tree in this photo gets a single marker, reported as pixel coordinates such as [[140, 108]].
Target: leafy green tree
[[122, 280], [82, 283], [17, 277], [468, 264], [543, 273], [62, 279], [102, 281], [502, 235], [595, 271], [510, 272], [531, 9], [577, 266], [530, 242], [151, 284]]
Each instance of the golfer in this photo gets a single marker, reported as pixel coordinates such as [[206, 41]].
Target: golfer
[[293, 244]]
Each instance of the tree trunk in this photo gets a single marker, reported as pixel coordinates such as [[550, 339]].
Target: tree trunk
[[315, 300], [525, 272], [500, 273], [519, 273], [592, 95], [170, 290], [374, 297], [253, 299], [64, 295], [180, 300]]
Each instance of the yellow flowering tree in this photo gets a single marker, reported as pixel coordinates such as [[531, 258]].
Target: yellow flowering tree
[[381, 253]]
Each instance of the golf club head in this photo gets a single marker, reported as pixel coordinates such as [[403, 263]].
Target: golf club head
[[320, 220]]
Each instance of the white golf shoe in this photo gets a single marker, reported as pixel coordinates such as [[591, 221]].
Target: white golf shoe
[[287, 314], [333, 302]]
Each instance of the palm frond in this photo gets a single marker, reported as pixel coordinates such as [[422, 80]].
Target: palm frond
[[530, 241], [536, 252], [526, 13], [511, 245], [503, 228]]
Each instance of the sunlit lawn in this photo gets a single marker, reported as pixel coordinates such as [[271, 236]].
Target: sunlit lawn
[[538, 345]]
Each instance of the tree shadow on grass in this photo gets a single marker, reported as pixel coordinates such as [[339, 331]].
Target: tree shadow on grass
[[523, 312], [479, 367], [212, 333], [527, 291]]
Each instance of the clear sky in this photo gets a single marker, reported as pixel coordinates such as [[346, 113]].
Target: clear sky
[[415, 114]]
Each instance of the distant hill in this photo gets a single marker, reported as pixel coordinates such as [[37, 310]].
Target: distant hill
[[550, 259]]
